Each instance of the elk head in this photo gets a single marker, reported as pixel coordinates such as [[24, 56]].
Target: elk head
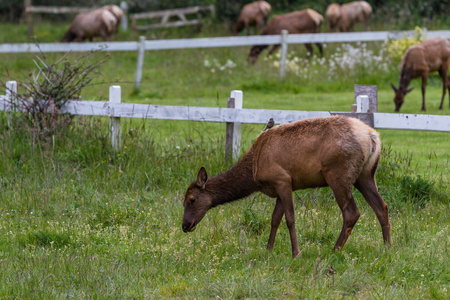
[[254, 52], [197, 201], [399, 97]]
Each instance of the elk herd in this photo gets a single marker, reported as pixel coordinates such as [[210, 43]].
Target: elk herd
[[419, 60], [338, 152]]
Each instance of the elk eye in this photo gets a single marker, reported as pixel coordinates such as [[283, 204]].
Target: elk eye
[[192, 200]]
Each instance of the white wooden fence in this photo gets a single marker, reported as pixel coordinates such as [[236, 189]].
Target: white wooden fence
[[165, 15], [285, 39], [115, 109]]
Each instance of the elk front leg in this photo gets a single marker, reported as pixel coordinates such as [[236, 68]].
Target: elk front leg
[[277, 215], [284, 191]]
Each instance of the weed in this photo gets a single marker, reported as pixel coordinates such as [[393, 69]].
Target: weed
[[418, 190]]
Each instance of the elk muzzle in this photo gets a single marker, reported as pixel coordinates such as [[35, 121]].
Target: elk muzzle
[[188, 227]]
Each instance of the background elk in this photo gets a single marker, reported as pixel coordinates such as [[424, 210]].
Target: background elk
[[339, 152], [303, 21], [97, 23], [254, 15], [336, 18], [419, 60], [343, 17]]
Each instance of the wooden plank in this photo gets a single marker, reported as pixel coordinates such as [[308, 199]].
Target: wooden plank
[[371, 91], [58, 9], [200, 42], [238, 102], [140, 62], [411, 122], [229, 134], [162, 13], [114, 122], [284, 46], [365, 117], [167, 25], [66, 47], [212, 42], [253, 116]]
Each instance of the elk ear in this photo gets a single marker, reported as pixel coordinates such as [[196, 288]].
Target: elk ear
[[408, 90], [202, 177], [393, 87]]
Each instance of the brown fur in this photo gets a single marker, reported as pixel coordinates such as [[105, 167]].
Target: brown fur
[[337, 18], [117, 12], [357, 12], [254, 15], [339, 152], [97, 23], [419, 60], [304, 21]]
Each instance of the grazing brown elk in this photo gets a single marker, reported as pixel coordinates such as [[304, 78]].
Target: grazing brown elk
[[254, 15], [303, 21], [97, 23], [357, 12], [419, 60], [337, 19], [339, 152]]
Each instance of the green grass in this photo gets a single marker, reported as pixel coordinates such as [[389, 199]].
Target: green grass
[[80, 221]]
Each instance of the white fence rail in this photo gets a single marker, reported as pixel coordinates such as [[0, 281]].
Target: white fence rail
[[285, 39], [166, 15], [234, 116]]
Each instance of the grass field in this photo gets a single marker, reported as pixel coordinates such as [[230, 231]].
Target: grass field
[[81, 221]]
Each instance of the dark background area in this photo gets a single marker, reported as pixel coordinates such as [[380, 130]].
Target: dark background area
[[12, 10]]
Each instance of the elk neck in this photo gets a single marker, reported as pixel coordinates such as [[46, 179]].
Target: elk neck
[[234, 184]]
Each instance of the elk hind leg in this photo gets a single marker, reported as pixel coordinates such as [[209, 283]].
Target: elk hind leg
[[424, 87], [277, 215], [368, 188], [445, 85], [343, 193]]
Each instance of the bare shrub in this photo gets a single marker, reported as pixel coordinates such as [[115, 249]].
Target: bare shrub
[[47, 89]]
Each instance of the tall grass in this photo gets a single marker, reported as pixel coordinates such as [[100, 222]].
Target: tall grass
[[78, 220]]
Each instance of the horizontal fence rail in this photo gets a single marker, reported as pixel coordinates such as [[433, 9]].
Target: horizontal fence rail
[[214, 42], [284, 39], [115, 109]]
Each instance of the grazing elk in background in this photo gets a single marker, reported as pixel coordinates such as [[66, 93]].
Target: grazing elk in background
[[343, 17], [254, 14], [339, 152], [336, 18], [303, 21], [419, 60], [97, 23]]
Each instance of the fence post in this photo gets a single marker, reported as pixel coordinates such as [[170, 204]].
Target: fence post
[[371, 91], [284, 45], [124, 21], [233, 131], [11, 92], [28, 17], [114, 122], [140, 62], [362, 104]]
